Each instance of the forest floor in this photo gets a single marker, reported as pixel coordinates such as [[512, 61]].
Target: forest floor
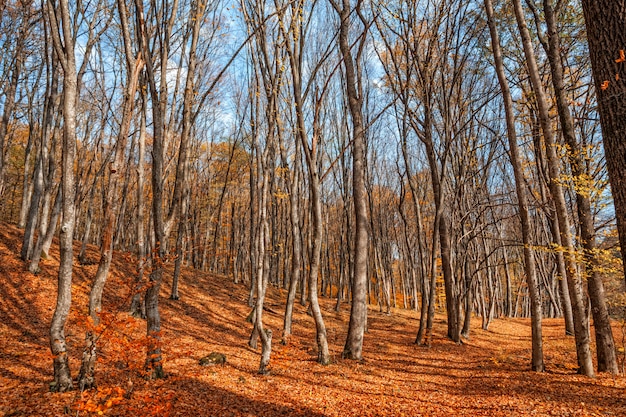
[[488, 375]]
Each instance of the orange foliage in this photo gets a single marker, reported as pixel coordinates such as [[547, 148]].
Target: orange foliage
[[486, 376]]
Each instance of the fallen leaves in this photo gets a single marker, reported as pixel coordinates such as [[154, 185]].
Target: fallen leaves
[[482, 377]]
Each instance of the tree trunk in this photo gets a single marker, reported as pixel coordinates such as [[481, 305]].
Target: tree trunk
[[28, 242], [65, 51], [27, 184], [605, 21], [154, 360], [180, 197], [46, 232], [566, 302], [353, 348], [537, 363], [86, 378], [605, 345], [263, 173], [323, 356], [469, 299], [296, 255], [137, 308], [82, 255], [452, 302], [581, 323]]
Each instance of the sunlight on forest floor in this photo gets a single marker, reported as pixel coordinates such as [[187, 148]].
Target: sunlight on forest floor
[[486, 376]]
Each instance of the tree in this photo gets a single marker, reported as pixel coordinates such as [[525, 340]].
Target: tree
[[134, 65], [179, 203], [529, 262], [21, 16], [581, 323], [295, 41], [59, 17], [605, 20], [158, 94], [353, 348], [607, 360]]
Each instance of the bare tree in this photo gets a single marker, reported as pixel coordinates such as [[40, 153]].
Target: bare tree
[[158, 94], [353, 348], [295, 41], [581, 323], [602, 323], [604, 21], [86, 378], [514, 155], [59, 17]]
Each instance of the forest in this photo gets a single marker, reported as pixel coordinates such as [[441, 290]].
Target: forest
[[393, 195]]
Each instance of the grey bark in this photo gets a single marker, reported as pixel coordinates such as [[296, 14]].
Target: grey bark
[[86, 377], [605, 345], [581, 322], [537, 363], [64, 47], [353, 348]]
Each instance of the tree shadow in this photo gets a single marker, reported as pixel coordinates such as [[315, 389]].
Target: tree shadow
[[202, 398]]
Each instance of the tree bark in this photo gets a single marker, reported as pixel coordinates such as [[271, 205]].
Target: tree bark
[[605, 21], [137, 307], [86, 378], [65, 52], [581, 323], [353, 348], [605, 345], [537, 363]]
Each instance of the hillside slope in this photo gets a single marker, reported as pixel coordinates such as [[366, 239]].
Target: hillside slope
[[486, 376]]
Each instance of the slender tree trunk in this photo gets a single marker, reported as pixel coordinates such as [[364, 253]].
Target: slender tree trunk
[[52, 226], [180, 236], [323, 356], [469, 299], [581, 323], [48, 220], [137, 308], [566, 302], [82, 255], [452, 303], [537, 363], [27, 184], [65, 51], [86, 377], [261, 267], [28, 242], [252, 247], [605, 345], [353, 348], [296, 255]]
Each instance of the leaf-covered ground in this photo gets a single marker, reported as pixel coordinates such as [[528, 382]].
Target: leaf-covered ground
[[486, 376]]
